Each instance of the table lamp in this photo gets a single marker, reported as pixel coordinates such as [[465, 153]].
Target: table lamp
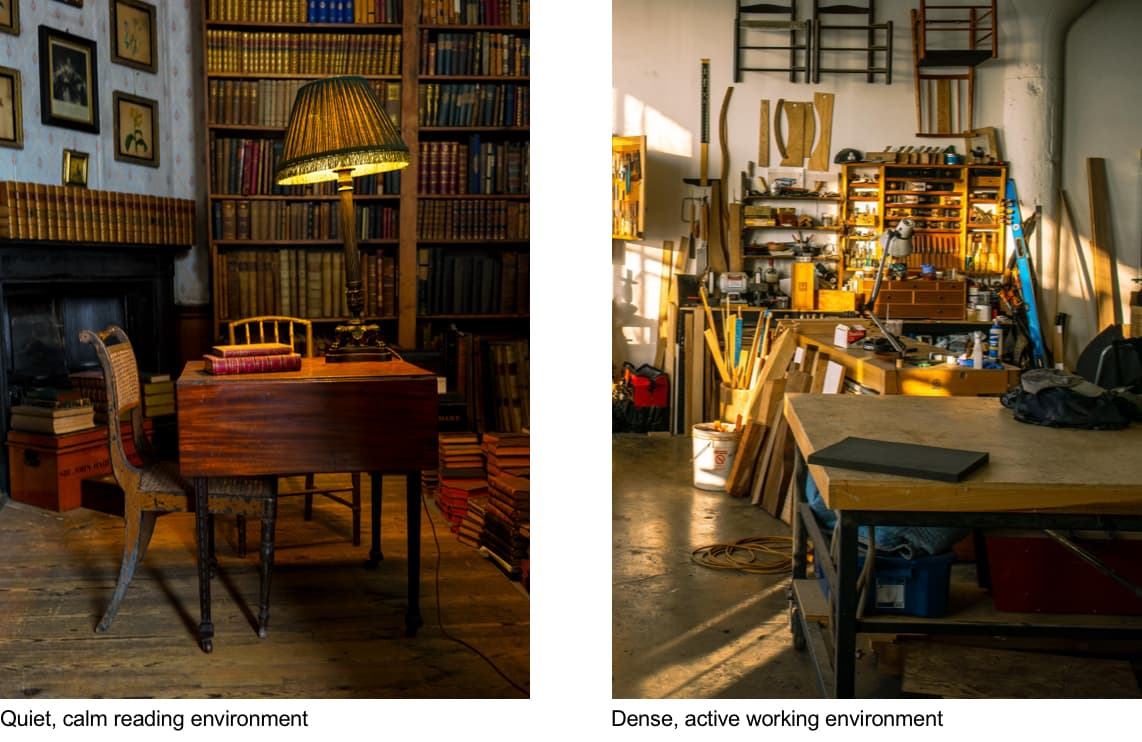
[[894, 243], [338, 130]]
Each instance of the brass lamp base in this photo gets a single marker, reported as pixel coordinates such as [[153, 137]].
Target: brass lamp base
[[357, 341]]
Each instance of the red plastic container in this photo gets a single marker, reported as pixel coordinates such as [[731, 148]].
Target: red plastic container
[[1034, 573]]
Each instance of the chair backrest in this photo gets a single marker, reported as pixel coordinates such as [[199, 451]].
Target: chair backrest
[[296, 332], [124, 398]]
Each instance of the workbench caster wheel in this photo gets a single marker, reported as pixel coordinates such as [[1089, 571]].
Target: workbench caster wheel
[[795, 629]]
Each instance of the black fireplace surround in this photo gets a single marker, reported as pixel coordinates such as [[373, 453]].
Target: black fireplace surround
[[51, 291]]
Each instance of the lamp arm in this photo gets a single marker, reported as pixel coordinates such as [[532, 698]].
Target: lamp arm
[[871, 304]]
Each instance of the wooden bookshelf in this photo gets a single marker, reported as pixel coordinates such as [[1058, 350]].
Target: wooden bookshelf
[[454, 78]]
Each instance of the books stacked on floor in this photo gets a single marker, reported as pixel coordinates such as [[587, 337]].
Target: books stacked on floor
[[507, 512], [90, 385], [460, 474], [453, 496], [52, 411], [472, 524], [507, 453], [158, 394], [251, 358]]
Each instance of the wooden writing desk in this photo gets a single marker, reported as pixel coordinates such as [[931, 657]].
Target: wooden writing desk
[[379, 417], [1036, 477], [882, 375]]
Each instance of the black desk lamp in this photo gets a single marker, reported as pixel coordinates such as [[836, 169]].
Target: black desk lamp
[[338, 130], [895, 243]]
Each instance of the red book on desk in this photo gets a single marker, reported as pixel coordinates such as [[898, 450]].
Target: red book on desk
[[251, 364]]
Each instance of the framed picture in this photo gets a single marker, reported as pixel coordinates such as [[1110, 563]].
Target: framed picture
[[136, 129], [982, 146], [11, 112], [133, 34], [10, 16], [74, 168], [69, 81]]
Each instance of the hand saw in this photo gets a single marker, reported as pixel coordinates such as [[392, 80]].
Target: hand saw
[[1022, 260]]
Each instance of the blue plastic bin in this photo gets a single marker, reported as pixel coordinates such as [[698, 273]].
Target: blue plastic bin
[[913, 587]]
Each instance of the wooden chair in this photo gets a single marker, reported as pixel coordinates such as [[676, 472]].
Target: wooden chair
[[156, 487], [298, 333]]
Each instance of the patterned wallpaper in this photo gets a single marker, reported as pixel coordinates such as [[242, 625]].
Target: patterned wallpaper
[[175, 85]]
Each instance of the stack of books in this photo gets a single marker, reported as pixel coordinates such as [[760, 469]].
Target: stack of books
[[507, 518], [90, 385], [460, 475], [472, 524], [252, 358], [53, 412], [158, 394], [507, 453]]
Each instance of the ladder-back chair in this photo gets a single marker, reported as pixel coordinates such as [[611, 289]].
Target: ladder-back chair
[[298, 334], [156, 487]]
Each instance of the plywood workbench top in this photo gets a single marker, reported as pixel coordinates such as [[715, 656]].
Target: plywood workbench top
[[1030, 467]]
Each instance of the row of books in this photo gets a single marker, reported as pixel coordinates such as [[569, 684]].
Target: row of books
[[268, 102], [473, 219], [243, 166], [476, 12], [495, 382], [474, 53], [38, 211], [473, 104], [242, 219], [474, 167], [302, 53], [306, 11], [300, 282], [461, 282], [251, 358]]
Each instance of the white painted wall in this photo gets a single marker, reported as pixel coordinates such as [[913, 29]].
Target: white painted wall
[[658, 45]]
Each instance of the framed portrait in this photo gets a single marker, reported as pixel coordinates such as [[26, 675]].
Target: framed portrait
[[136, 129], [69, 81], [133, 34], [10, 17], [11, 111], [74, 168]]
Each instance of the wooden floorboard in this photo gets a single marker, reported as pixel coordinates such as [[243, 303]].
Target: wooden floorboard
[[336, 629]]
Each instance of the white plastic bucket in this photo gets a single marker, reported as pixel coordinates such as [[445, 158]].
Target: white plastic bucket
[[714, 451]]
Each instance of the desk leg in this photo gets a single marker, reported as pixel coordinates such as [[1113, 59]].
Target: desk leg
[[844, 665], [376, 480], [412, 619], [266, 565], [202, 530]]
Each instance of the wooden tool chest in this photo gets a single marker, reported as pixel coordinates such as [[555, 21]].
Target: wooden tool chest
[[920, 299]]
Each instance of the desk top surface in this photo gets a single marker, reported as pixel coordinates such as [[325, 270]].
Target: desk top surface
[[312, 369], [1030, 467]]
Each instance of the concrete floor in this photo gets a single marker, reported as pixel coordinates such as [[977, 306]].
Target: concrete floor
[[683, 630]]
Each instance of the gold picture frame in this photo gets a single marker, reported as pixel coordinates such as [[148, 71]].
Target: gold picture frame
[[981, 146], [133, 34], [136, 129], [11, 109], [10, 17], [75, 168], [69, 81]]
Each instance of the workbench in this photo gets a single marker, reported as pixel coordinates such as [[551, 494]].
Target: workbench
[[881, 374], [1036, 478]]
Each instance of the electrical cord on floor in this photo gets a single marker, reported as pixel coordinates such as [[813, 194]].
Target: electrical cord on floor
[[439, 615], [767, 555]]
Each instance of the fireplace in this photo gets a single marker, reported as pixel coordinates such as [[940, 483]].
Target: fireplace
[[51, 291]]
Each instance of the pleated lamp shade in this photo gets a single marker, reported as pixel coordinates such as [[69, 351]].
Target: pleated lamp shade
[[338, 124]]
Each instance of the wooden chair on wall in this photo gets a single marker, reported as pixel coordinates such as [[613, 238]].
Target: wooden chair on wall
[[298, 334], [949, 41], [156, 487]]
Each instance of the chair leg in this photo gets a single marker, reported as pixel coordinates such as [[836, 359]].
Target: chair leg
[[241, 537], [266, 566], [356, 479], [137, 532], [309, 485]]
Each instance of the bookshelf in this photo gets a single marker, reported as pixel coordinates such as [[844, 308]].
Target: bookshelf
[[445, 242]]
